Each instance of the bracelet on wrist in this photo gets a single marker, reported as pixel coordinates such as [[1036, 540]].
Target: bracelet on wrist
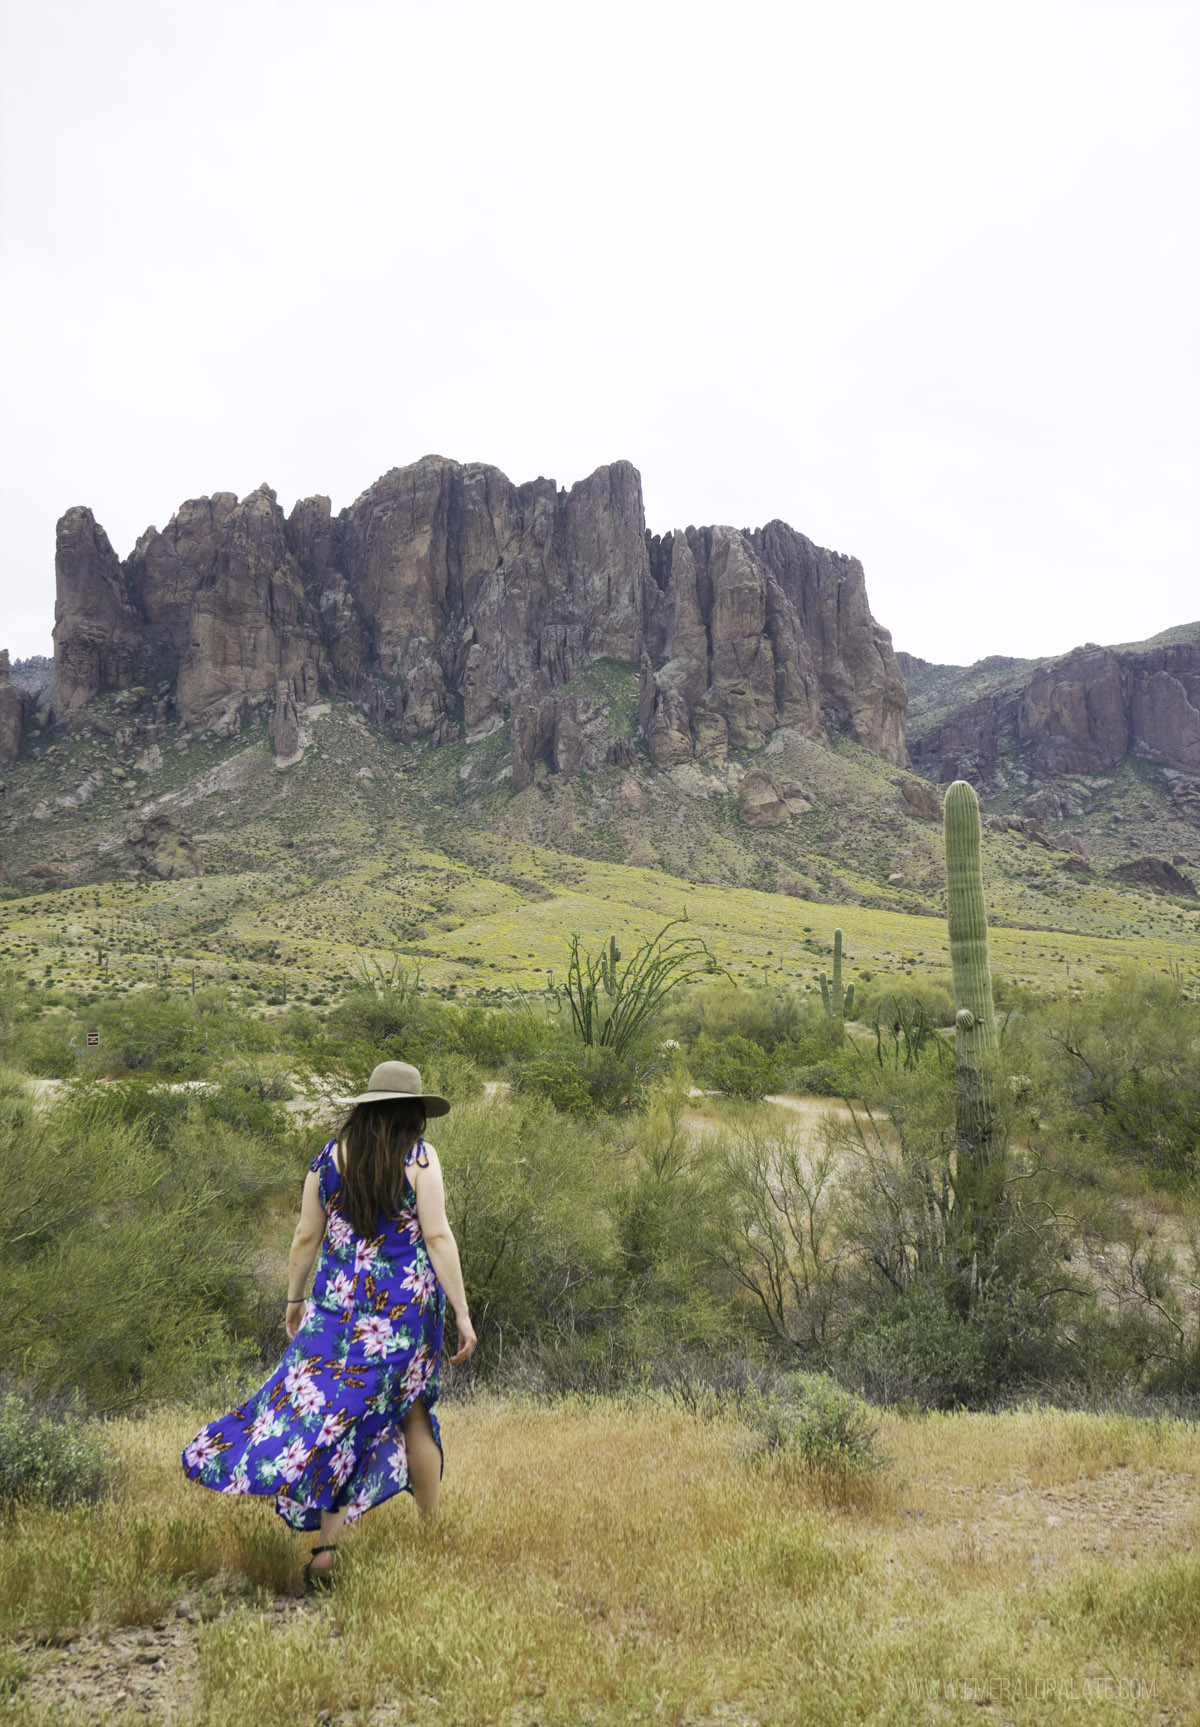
[[295, 1300]]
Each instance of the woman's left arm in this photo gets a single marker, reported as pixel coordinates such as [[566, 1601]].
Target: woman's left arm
[[306, 1244]]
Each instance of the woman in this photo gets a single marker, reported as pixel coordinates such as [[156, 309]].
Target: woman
[[348, 1418]]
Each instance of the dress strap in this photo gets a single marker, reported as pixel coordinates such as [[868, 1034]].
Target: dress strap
[[418, 1155]]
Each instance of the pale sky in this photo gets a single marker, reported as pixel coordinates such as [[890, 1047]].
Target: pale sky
[[923, 279]]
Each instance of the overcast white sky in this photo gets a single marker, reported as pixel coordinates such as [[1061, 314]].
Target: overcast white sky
[[923, 278]]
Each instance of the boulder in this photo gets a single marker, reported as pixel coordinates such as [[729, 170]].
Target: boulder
[[919, 798], [760, 803]]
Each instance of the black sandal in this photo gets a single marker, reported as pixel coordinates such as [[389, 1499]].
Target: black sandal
[[318, 1579]]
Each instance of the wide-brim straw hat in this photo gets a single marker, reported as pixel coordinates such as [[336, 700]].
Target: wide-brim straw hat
[[399, 1079]]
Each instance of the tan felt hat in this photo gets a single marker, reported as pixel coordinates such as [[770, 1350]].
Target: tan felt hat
[[399, 1079]]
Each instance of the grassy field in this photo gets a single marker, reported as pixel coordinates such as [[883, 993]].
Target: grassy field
[[470, 930], [624, 1562]]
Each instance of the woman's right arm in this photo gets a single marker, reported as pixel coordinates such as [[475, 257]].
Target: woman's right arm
[[442, 1247]]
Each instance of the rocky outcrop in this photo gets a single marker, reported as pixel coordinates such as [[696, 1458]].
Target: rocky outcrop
[[1158, 874], [163, 847], [919, 798], [761, 804], [165, 570], [251, 624], [1082, 714], [446, 600], [98, 635], [746, 632], [15, 706]]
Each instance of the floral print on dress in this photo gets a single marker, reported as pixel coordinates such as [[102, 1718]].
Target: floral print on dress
[[324, 1431]]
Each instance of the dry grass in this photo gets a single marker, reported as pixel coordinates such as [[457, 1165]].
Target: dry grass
[[611, 1563]]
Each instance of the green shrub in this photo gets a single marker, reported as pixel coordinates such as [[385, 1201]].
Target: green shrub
[[493, 1038], [735, 1066], [452, 1075], [583, 1081], [559, 1079], [919, 1349], [810, 1417], [58, 1462], [889, 998], [822, 1079], [767, 1017], [1125, 1065], [132, 1236], [530, 1194]]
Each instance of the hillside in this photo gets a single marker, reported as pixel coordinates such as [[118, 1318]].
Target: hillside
[[267, 877]]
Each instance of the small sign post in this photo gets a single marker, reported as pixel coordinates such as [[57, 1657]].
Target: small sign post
[[93, 1043]]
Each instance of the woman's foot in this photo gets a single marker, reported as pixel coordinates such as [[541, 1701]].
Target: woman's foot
[[317, 1571]]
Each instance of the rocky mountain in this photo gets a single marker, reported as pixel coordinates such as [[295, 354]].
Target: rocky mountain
[[1030, 731], [447, 600]]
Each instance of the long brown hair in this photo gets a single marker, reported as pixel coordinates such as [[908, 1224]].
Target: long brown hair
[[376, 1140]]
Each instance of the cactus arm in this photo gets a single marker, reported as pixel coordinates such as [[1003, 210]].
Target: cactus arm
[[849, 1002], [825, 995]]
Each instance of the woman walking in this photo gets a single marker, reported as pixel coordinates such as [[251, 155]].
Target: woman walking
[[349, 1416]]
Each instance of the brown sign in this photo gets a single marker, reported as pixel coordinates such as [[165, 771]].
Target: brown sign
[[93, 1039]]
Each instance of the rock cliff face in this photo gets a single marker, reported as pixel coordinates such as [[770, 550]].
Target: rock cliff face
[[1082, 714], [447, 599], [15, 705]]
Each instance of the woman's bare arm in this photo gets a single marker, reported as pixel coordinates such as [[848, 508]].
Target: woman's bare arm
[[441, 1246], [306, 1244]]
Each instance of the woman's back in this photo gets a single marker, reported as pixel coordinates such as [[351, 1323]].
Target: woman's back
[[386, 1273]]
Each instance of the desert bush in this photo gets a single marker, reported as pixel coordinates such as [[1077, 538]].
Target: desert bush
[[735, 1066], [58, 1462], [765, 1016], [130, 1246], [452, 1075], [780, 1238], [808, 1417], [901, 997], [529, 1192], [493, 1037], [1125, 1066], [821, 1079], [667, 1217], [586, 1081]]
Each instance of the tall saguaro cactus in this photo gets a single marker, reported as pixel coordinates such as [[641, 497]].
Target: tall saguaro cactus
[[837, 1005], [980, 1176]]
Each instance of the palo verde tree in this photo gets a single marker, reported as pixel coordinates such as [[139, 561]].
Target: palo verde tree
[[612, 1004]]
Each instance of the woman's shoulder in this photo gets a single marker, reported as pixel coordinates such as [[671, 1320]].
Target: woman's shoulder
[[422, 1155], [327, 1154]]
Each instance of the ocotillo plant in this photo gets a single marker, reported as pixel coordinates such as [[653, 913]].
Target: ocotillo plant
[[980, 1149], [637, 991], [837, 1005]]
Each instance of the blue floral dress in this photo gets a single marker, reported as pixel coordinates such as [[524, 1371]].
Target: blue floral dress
[[324, 1431]]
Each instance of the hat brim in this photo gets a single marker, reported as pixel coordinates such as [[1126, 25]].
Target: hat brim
[[434, 1105]]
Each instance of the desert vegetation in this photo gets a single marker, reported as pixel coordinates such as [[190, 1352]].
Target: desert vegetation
[[783, 1296]]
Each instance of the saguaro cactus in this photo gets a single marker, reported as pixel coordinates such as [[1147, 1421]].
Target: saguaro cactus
[[980, 1149], [837, 1005], [609, 960]]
